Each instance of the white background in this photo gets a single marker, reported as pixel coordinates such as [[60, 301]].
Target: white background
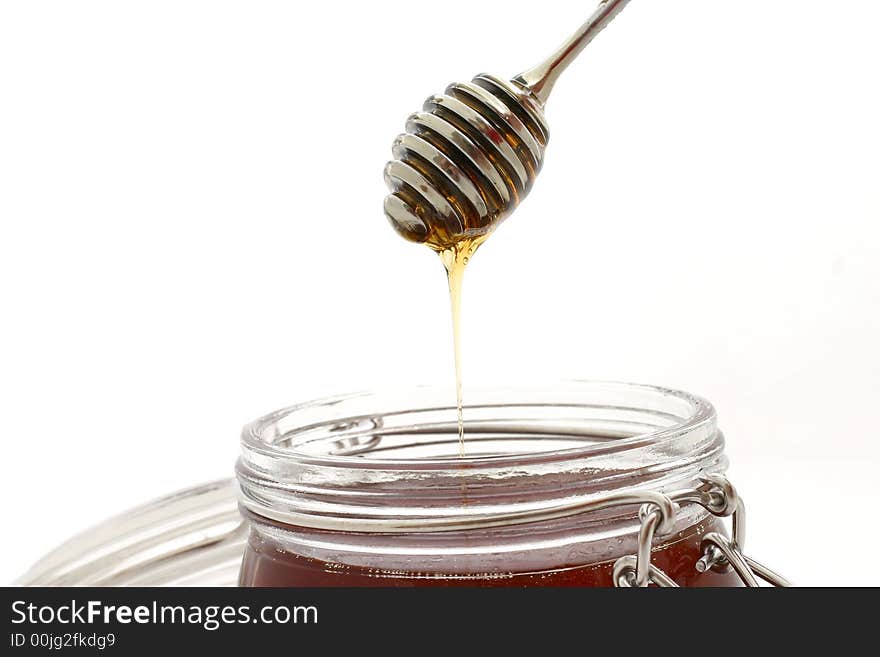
[[192, 236]]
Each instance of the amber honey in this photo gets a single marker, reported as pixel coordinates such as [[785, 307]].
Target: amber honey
[[269, 564]]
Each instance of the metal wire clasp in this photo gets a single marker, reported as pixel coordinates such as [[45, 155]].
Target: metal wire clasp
[[718, 496]]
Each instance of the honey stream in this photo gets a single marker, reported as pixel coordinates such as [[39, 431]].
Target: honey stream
[[455, 259]]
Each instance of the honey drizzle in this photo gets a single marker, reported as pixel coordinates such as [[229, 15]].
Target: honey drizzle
[[455, 259]]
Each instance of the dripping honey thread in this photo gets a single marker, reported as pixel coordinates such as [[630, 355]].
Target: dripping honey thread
[[455, 259]]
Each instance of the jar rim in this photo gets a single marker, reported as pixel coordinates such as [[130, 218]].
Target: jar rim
[[254, 434], [313, 465]]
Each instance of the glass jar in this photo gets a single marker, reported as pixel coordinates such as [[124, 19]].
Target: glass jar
[[369, 489]]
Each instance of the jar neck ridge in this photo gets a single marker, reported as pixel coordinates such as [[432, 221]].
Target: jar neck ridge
[[388, 462]]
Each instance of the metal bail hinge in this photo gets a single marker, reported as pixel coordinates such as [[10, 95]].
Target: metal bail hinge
[[718, 496]]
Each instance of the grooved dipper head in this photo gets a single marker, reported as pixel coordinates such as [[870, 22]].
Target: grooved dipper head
[[465, 162]]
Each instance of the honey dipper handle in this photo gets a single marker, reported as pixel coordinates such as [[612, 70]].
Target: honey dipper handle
[[541, 78]]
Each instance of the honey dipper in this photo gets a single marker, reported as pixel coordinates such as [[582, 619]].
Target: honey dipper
[[471, 155]]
